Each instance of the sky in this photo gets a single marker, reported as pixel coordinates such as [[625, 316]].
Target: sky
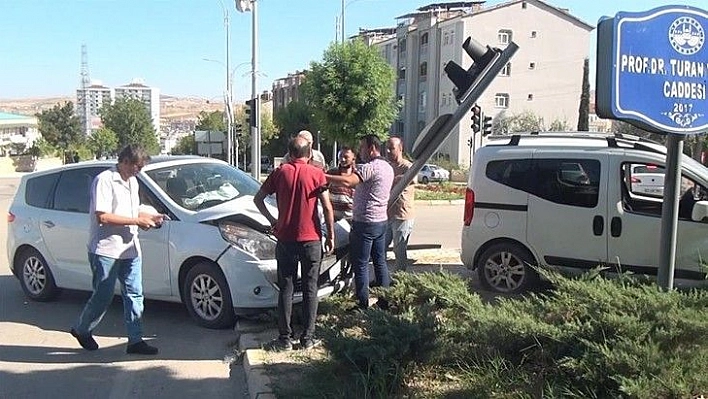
[[165, 42]]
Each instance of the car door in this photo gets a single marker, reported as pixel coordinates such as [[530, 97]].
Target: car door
[[634, 243], [157, 281], [567, 208], [65, 226]]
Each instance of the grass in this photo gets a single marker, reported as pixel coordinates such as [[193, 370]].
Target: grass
[[440, 191]]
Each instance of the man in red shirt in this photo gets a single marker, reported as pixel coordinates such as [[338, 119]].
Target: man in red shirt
[[297, 186]]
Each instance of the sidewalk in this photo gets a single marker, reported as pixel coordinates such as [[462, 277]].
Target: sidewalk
[[253, 335]]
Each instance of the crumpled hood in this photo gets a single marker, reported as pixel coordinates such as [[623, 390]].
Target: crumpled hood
[[243, 206]]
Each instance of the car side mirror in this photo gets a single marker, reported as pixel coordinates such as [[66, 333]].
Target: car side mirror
[[700, 211]]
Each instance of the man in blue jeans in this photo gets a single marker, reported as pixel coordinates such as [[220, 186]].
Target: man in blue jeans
[[367, 240], [114, 251]]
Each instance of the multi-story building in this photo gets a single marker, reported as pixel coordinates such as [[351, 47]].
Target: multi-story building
[[17, 133], [150, 96], [286, 90], [89, 102], [544, 76]]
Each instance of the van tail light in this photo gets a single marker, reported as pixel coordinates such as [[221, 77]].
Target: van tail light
[[635, 180], [10, 217], [469, 206]]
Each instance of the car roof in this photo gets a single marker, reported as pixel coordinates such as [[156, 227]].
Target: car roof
[[576, 140]]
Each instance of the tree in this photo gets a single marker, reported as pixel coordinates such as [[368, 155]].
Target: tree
[[185, 146], [103, 142], [559, 125], [132, 124], [351, 92], [60, 126], [213, 121], [584, 111], [524, 122]]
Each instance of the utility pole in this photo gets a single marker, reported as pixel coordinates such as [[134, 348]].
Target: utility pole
[[228, 99], [256, 130]]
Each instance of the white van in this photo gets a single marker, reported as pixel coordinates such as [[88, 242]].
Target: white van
[[570, 201]]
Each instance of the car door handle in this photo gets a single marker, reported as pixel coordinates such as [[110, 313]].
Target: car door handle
[[616, 227], [48, 223], [598, 225]]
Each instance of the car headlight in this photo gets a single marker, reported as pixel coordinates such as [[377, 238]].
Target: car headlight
[[249, 240]]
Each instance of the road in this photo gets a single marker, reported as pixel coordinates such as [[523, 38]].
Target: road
[[39, 359]]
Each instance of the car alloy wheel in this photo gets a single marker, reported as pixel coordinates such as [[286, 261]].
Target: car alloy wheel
[[505, 268], [35, 277], [207, 296]]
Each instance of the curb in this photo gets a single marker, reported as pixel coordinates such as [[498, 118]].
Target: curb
[[249, 343]]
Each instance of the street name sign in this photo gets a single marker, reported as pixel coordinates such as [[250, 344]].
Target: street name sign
[[652, 69]]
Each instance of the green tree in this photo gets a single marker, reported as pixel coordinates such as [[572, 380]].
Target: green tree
[[185, 146], [351, 92], [132, 124], [524, 122], [60, 126], [559, 125], [584, 110], [103, 142], [213, 121], [42, 147]]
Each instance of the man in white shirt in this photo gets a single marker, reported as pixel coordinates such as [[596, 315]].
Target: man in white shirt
[[316, 157]]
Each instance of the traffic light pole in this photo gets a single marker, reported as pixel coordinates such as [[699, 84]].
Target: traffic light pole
[[255, 130]]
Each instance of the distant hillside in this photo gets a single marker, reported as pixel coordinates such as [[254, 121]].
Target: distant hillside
[[171, 107]]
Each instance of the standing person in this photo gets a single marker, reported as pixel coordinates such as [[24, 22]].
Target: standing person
[[401, 213], [342, 197], [373, 182], [316, 157], [297, 185], [114, 250]]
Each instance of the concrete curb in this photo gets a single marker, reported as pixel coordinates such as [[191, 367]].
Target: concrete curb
[[251, 336]]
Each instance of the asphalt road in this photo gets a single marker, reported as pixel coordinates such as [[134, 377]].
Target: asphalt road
[[39, 359]]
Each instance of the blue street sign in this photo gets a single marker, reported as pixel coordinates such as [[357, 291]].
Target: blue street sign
[[652, 69]]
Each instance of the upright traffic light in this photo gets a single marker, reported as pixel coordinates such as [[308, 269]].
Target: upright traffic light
[[476, 112], [486, 125], [252, 110], [463, 79]]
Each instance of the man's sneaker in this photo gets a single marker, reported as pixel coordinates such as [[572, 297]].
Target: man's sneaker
[[85, 340], [141, 348], [309, 343], [279, 345]]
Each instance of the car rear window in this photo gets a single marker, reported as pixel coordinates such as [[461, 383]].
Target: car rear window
[[39, 189]]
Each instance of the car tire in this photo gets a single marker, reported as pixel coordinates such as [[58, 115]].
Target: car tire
[[506, 268], [424, 180], [36, 278], [207, 297]]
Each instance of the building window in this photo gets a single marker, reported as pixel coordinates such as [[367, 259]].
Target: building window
[[523, 5], [452, 37], [424, 39], [533, 34], [530, 97], [422, 102], [424, 69], [402, 45], [532, 65], [446, 38], [402, 73], [501, 100], [504, 36], [506, 71]]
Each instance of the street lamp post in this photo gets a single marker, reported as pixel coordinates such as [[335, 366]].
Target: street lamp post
[[243, 6]]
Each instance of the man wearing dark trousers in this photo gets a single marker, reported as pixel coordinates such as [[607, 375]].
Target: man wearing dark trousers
[[373, 180], [297, 186]]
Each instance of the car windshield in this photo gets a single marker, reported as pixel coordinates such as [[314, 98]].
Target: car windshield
[[197, 186]]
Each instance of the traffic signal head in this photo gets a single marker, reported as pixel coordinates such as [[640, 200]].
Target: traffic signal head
[[476, 115], [486, 125], [252, 110], [463, 79]]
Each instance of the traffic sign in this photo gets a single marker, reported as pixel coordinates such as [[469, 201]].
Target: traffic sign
[[652, 69]]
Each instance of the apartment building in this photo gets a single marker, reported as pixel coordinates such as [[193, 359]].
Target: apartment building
[[544, 77], [89, 102], [150, 96], [18, 131], [286, 90]]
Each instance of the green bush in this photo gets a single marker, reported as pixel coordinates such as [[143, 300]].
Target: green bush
[[589, 337]]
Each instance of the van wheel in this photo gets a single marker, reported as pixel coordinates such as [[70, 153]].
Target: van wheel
[[506, 268], [36, 279], [207, 297], [424, 180]]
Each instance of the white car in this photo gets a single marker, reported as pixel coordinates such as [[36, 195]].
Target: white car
[[215, 254], [430, 172], [647, 179], [568, 201]]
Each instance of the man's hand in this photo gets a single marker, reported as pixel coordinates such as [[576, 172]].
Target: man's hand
[[145, 221], [329, 245]]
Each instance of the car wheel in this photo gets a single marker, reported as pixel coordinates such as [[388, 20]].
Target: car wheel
[[36, 279], [207, 297], [506, 268], [424, 180]]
